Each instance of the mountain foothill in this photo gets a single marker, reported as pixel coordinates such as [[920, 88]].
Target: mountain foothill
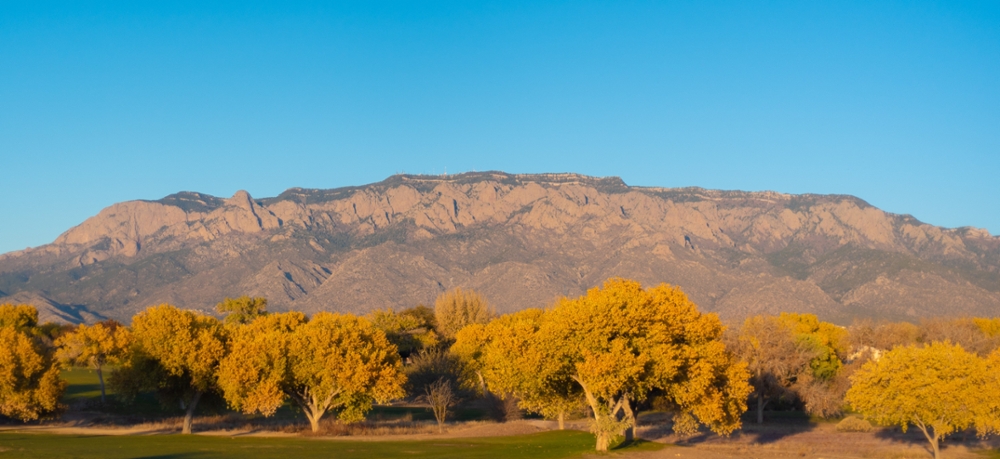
[[520, 240]]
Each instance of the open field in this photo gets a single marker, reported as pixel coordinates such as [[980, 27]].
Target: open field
[[784, 435]]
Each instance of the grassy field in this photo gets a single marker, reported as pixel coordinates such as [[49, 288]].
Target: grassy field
[[556, 444]]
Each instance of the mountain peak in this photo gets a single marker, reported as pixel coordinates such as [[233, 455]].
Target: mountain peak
[[522, 240]]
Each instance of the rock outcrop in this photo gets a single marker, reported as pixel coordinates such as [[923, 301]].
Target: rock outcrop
[[523, 240]]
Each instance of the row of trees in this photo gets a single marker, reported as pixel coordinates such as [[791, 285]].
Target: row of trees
[[609, 353]]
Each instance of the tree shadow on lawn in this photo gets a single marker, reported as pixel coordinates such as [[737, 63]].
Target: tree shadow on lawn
[[915, 437], [777, 426]]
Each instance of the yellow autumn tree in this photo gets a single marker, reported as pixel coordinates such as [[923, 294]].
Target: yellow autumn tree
[[621, 342], [455, 309], [331, 362], [95, 346], [828, 342], [509, 356], [29, 374], [177, 347], [939, 388]]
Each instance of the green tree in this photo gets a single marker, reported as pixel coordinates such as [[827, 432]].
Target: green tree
[[939, 388], [409, 332], [242, 310]]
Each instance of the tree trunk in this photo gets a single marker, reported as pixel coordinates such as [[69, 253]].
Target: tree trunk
[[630, 417], [189, 414], [562, 420], [100, 377], [603, 441], [313, 422], [760, 408], [935, 439]]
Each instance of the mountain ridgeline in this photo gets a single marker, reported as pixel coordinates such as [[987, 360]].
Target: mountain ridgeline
[[520, 240]]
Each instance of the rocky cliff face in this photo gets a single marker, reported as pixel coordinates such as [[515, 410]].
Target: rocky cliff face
[[522, 240]]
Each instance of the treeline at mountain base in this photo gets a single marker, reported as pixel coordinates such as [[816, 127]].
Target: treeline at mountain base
[[607, 355]]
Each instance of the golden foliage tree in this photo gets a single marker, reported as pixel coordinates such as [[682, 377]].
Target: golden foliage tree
[[509, 356], [29, 375], [618, 344], [939, 388], [455, 309], [185, 345], [242, 310], [827, 341], [331, 362], [622, 342], [19, 317], [94, 347]]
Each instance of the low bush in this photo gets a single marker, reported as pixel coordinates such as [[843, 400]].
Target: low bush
[[854, 424]]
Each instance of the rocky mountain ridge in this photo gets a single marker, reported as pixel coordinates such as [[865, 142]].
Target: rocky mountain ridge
[[523, 240]]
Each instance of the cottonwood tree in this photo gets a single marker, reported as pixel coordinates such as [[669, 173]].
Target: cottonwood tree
[[939, 388], [827, 341], [175, 350], [95, 346], [774, 357], [409, 332], [332, 362], [29, 374], [619, 343], [242, 310], [455, 309], [509, 356]]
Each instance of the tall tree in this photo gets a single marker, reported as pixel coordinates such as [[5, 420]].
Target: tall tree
[[29, 374], [509, 356], [331, 362], [184, 346], [455, 309], [242, 310], [939, 388], [409, 332], [95, 347], [621, 342], [774, 357]]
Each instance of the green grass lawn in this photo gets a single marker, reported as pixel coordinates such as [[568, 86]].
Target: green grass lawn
[[82, 383], [556, 444]]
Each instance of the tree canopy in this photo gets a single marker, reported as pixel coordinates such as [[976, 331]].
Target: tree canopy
[[95, 346], [29, 375], [616, 345], [181, 344], [939, 388], [455, 309], [242, 310], [330, 362]]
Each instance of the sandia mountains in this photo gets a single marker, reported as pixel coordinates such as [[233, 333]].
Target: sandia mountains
[[521, 240]]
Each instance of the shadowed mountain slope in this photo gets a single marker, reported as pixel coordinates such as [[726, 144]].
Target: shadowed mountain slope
[[522, 240]]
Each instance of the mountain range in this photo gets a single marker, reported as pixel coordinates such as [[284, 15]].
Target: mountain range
[[520, 240]]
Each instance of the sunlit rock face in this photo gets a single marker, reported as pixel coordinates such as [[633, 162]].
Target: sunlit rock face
[[521, 240]]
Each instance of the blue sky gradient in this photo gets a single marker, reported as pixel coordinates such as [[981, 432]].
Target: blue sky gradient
[[897, 103]]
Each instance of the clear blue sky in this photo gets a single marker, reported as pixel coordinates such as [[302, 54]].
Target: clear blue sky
[[895, 102]]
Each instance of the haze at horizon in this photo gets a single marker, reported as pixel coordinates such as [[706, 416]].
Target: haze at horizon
[[896, 104]]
